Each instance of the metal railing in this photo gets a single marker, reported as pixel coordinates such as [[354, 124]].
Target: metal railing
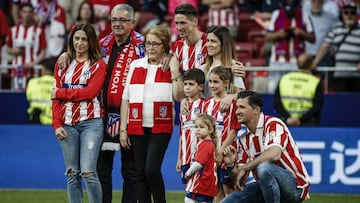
[[326, 70], [16, 73]]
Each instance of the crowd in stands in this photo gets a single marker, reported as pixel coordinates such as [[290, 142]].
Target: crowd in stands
[[254, 26]]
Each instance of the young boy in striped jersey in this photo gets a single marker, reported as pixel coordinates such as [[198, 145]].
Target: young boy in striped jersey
[[194, 80]]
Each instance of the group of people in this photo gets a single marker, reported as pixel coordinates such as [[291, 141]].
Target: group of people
[[321, 29], [291, 30], [215, 164], [117, 94]]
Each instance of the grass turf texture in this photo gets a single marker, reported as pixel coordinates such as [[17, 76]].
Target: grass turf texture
[[59, 196]]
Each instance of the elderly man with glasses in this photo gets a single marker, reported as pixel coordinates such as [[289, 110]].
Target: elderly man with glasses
[[343, 41]]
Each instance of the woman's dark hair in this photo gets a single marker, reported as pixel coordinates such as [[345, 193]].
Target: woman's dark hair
[[94, 51], [92, 16], [228, 53]]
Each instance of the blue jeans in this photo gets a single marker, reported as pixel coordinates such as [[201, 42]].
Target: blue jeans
[[275, 184], [81, 150]]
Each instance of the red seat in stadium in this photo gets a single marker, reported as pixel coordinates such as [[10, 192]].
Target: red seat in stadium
[[203, 22], [249, 62], [257, 36], [145, 18], [246, 50], [254, 62], [246, 24]]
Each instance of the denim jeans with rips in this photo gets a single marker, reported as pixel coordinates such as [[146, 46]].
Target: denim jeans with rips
[[275, 185], [81, 150]]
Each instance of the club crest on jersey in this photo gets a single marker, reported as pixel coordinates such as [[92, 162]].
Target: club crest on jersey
[[87, 74], [135, 113], [197, 110], [163, 111], [200, 58]]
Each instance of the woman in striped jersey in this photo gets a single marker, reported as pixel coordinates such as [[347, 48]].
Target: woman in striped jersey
[[78, 112]]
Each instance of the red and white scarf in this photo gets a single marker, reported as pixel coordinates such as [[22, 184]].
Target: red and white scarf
[[117, 79], [162, 106], [130, 52], [282, 47]]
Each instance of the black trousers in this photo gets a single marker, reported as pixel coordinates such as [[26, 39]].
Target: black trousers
[[149, 151], [104, 168]]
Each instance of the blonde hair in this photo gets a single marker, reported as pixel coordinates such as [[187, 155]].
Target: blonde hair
[[162, 33], [209, 121]]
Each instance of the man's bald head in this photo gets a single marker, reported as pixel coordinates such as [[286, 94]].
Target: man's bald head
[[304, 61]]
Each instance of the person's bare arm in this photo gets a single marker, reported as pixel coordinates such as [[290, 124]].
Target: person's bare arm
[[40, 57], [275, 36], [176, 77], [310, 37], [124, 110], [14, 50], [63, 60], [320, 54], [178, 163], [15, 13]]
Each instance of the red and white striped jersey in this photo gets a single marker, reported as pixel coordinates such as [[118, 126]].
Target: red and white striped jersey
[[190, 56], [188, 140], [31, 38], [79, 95], [204, 182], [4, 30], [225, 121], [224, 17], [271, 131]]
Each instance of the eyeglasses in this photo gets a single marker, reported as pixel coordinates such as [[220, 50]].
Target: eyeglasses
[[349, 13], [120, 20], [152, 44]]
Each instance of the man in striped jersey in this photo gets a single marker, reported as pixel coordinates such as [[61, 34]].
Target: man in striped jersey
[[269, 151], [26, 41], [224, 13], [190, 51], [27, 44], [344, 35]]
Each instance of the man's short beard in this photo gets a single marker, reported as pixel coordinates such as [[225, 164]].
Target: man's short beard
[[350, 22]]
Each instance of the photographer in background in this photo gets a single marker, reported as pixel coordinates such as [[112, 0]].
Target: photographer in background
[[288, 29]]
